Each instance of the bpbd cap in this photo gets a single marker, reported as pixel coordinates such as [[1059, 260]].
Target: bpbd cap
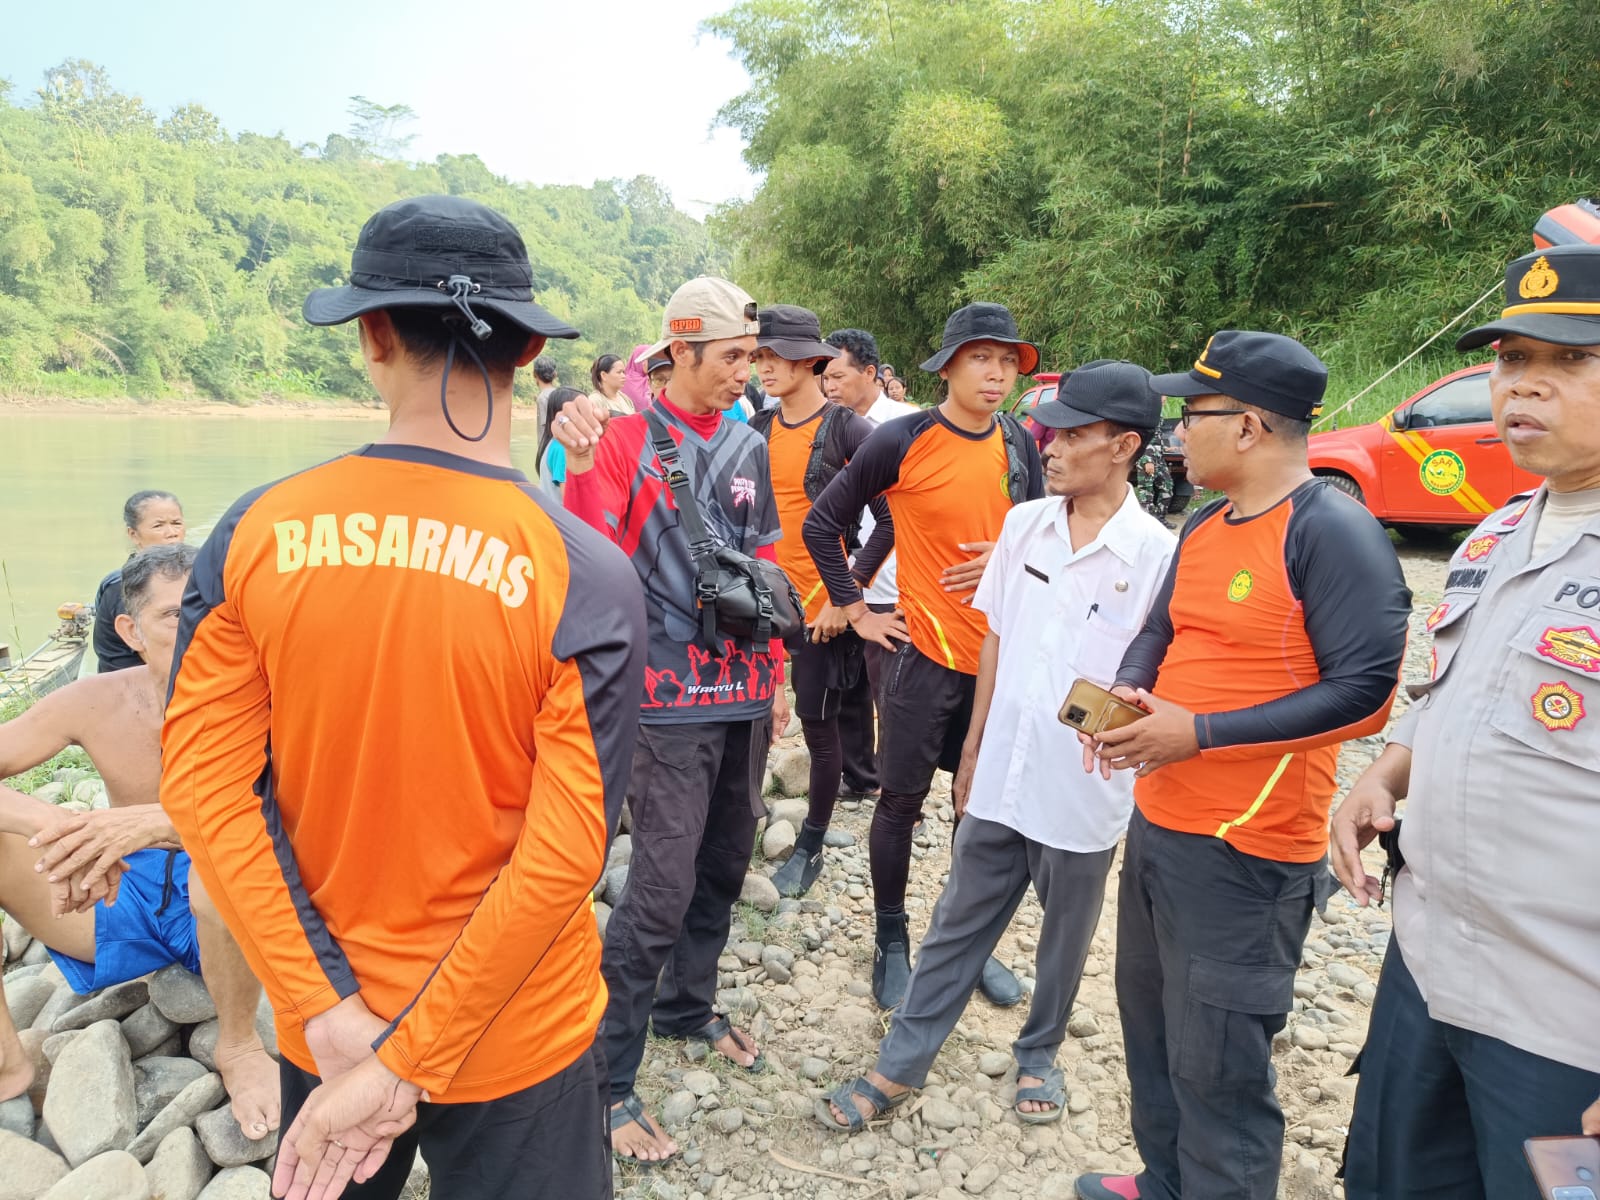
[[1552, 295], [438, 252], [982, 322], [1102, 391], [1267, 370], [706, 309]]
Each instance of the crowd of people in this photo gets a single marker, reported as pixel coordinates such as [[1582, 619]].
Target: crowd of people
[[396, 824]]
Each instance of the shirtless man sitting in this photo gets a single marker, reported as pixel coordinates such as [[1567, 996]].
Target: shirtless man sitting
[[109, 892]]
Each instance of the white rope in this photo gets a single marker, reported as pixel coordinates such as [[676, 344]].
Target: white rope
[[1455, 320]]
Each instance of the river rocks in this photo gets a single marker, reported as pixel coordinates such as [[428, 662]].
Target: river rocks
[[700, 1083], [203, 1043], [777, 843], [776, 961], [90, 1106], [16, 1116], [791, 770], [238, 1183], [114, 1175], [27, 996], [145, 1029], [759, 891], [226, 1144], [1309, 1037], [939, 1113], [197, 1098], [180, 1167], [677, 1108], [27, 1169], [112, 1004], [181, 996]]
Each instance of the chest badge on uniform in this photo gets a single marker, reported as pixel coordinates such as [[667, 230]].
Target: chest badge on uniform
[[1437, 615], [1480, 547], [1558, 707], [1241, 584], [1576, 647], [1443, 472]]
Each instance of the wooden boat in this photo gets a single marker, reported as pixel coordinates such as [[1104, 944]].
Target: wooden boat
[[55, 663]]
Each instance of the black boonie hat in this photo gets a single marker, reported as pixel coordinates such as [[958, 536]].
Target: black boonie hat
[[1267, 370], [982, 322], [1102, 391], [793, 333], [1552, 295], [430, 251]]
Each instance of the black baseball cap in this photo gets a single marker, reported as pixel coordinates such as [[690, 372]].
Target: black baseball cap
[[426, 252], [656, 362], [1552, 295], [792, 333], [1267, 370], [982, 322], [1102, 390]]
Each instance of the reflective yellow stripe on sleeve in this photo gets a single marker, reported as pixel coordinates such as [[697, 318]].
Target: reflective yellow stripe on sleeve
[[1261, 798]]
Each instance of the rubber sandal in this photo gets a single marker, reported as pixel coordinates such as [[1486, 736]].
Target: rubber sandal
[[854, 1122], [1052, 1091], [631, 1112], [714, 1030]]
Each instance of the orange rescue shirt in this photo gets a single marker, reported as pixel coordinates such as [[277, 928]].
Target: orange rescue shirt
[[789, 448], [402, 715]]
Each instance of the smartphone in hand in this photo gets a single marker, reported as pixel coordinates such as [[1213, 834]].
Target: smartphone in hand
[[1565, 1168], [1092, 709]]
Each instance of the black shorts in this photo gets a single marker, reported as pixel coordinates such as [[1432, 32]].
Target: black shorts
[[551, 1140], [923, 714], [822, 672]]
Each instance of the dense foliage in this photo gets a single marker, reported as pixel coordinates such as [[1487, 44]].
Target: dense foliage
[[1130, 175], [146, 256]]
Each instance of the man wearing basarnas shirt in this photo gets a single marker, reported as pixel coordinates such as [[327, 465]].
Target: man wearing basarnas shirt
[[1277, 635], [809, 440], [404, 690], [950, 475], [707, 713]]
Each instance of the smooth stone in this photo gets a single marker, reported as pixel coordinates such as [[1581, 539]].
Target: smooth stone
[[238, 1183], [994, 1063], [226, 1144], [181, 996], [621, 853], [180, 1167], [25, 997], [203, 1043], [1083, 1025], [114, 1175], [791, 771], [112, 1004], [777, 843], [778, 963], [727, 1120], [90, 1104], [1344, 975], [88, 791], [33, 1041], [838, 839], [701, 1083], [980, 1177], [27, 1169], [144, 1029], [1309, 1037], [197, 1097], [759, 891], [938, 1113], [677, 1108], [602, 917], [814, 1068], [16, 1116], [614, 882], [61, 1000]]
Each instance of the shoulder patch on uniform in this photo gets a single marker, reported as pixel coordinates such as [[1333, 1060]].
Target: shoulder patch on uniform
[[1576, 646], [1558, 707], [1437, 615], [1479, 547]]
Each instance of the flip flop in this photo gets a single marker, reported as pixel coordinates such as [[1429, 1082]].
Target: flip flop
[[631, 1112], [714, 1030], [854, 1122], [1052, 1091]]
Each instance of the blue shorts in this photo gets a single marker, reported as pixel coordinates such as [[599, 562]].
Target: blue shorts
[[148, 928]]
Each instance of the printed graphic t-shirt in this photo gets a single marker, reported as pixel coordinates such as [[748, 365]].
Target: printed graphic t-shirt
[[625, 496]]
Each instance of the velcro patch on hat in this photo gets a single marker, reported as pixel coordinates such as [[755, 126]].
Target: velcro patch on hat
[[685, 325], [461, 239]]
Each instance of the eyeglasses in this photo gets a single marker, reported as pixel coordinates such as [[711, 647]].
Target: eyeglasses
[[1187, 414]]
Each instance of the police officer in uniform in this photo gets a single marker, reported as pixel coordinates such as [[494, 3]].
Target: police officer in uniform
[[1486, 1026]]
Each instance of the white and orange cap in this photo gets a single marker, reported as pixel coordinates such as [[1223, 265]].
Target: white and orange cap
[[707, 309]]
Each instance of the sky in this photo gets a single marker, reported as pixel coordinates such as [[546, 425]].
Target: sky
[[542, 92]]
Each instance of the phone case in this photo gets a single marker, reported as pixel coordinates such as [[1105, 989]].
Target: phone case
[[1565, 1168], [1091, 709]]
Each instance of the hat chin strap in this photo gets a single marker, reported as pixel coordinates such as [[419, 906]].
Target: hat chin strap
[[460, 287]]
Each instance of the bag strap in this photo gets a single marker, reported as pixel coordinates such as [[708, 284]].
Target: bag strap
[[825, 461], [1016, 439], [701, 548]]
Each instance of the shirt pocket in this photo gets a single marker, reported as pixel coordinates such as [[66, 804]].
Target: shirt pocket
[[1551, 686], [1100, 648]]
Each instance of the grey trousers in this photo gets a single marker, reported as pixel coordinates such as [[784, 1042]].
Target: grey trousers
[[991, 866], [1208, 940]]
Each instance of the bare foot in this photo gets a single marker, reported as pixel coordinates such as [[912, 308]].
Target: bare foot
[[16, 1069], [1032, 1106], [862, 1105], [641, 1139], [251, 1078]]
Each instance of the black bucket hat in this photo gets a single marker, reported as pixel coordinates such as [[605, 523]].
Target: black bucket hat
[[793, 333], [1552, 295], [982, 322], [438, 252], [1267, 370]]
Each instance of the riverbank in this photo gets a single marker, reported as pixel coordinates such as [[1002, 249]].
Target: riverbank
[[269, 408]]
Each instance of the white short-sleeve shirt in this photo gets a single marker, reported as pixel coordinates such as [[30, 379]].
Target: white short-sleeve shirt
[[1060, 614], [884, 588]]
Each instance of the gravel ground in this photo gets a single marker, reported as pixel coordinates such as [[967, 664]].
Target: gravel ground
[[799, 973]]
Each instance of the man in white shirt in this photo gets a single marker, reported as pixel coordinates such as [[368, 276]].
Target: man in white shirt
[[1067, 588]]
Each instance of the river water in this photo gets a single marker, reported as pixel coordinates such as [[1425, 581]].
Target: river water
[[65, 477]]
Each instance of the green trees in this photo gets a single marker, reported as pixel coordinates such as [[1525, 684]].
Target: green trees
[[149, 256], [1129, 175]]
